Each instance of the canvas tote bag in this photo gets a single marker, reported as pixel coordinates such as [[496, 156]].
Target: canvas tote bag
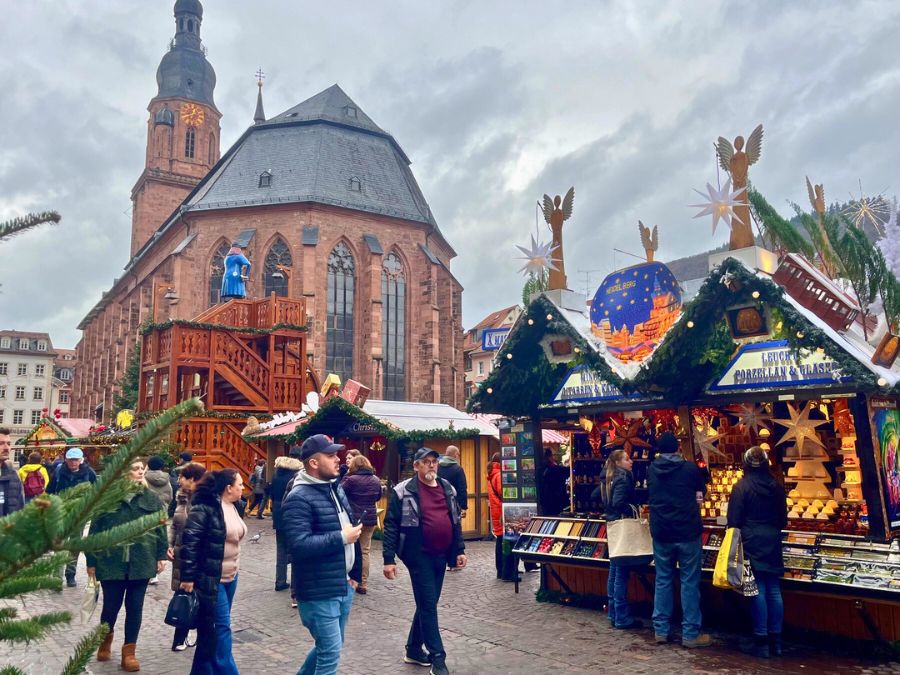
[[629, 540]]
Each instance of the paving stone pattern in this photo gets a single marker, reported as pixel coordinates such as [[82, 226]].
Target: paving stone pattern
[[487, 628]]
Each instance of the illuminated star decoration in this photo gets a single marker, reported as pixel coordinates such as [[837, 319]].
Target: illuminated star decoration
[[721, 204], [862, 209], [750, 416], [627, 436], [705, 438], [538, 258], [800, 428]]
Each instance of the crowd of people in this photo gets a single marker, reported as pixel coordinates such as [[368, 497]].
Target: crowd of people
[[324, 514]]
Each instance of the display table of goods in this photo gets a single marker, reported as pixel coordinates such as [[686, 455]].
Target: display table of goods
[[815, 557]]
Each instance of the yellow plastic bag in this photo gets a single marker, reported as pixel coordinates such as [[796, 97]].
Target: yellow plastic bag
[[729, 570]]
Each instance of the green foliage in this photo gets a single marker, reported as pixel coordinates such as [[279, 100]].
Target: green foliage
[[240, 329], [40, 538], [778, 232], [11, 228], [127, 396], [536, 283]]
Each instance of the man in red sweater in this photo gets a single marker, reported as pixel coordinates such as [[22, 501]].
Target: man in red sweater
[[423, 529]]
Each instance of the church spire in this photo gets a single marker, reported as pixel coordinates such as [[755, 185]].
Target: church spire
[[259, 116]]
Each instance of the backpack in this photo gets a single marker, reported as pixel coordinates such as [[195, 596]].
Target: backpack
[[34, 484]]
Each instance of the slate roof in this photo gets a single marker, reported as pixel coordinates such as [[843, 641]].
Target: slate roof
[[312, 151]]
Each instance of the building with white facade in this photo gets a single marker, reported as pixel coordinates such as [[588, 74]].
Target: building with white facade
[[26, 374]]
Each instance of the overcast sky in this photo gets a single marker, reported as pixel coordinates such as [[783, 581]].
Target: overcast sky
[[496, 103]]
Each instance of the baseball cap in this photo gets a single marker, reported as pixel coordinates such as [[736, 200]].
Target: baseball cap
[[74, 453], [319, 443], [422, 453]]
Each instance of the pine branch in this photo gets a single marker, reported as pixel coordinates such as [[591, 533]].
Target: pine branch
[[781, 233], [85, 650], [26, 630], [20, 585], [12, 670], [11, 228], [118, 535]]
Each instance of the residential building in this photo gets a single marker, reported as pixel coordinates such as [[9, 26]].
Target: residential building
[[61, 386], [478, 361], [26, 372]]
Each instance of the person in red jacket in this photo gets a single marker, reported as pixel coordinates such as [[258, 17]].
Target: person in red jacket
[[495, 502]]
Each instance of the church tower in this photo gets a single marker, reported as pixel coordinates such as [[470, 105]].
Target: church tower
[[182, 130]]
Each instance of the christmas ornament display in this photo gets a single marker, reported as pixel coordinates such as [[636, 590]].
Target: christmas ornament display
[[800, 428]]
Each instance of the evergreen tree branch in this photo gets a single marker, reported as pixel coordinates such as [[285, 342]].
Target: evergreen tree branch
[[89, 644], [20, 585], [11, 228], [118, 535], [12, 670], [34, 628]]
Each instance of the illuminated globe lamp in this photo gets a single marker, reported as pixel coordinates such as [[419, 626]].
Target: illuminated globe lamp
[[634, 308]]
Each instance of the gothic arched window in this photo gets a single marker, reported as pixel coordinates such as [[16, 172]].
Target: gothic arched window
[[190, 141], [339, 322], [279, 254], [216, 272], [393, 327]]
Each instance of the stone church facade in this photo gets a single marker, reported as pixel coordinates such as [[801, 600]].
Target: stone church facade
[[326, 207]]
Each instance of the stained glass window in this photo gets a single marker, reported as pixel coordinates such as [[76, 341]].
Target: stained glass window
[[393, 327], [279, 254], [339, 323], [216, 272]]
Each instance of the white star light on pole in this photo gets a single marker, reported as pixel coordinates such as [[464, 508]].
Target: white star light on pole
[[538, 258], [721, 204]]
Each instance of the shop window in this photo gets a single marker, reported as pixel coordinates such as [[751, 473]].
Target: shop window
[[393, 327], [339, 321]]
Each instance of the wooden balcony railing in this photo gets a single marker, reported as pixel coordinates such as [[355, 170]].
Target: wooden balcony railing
[[264, 313], [218, 444]]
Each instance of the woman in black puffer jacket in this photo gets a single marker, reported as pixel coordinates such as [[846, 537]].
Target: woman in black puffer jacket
[[210, 548], [363, 490], [619, 502]]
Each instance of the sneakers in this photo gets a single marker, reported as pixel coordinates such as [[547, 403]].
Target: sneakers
[[439, 667], [418, 658], [293, 603], [179, 648], [702, 640]]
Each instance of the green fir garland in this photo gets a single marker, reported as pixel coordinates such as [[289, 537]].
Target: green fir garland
[[211, 326]]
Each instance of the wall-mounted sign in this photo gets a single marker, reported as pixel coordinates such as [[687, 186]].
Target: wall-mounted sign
[[767, 365], [359, 428], [634, 308], [583, 384], [493, 338]]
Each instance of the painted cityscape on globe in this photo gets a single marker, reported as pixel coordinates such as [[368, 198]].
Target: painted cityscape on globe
[[634, 308]]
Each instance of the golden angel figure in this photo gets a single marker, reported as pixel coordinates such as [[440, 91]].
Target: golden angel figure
[[649, 239], [735, 160], [556, 212]]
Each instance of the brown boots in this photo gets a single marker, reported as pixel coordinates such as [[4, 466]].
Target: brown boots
[[129, 662], [103, 653]]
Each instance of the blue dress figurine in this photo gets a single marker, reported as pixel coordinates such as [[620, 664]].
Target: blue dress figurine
[[233, 280]]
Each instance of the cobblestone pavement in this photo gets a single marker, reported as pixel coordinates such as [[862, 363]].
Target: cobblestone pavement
[[487, 628]]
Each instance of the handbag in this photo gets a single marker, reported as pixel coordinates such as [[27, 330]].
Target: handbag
[[629, 541], [182, 611], [89, 599], [729, 570]]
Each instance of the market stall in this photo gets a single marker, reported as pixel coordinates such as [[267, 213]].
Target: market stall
[[389, 432]]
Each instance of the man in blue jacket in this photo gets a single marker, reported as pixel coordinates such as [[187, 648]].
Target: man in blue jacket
[[423, 528], [315, 518]]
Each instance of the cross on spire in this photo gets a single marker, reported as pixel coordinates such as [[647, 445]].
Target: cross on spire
[[260, 116], [260, 76]]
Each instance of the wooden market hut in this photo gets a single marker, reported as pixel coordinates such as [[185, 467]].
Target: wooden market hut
[[388, 433], [52, 436], [842, 581]]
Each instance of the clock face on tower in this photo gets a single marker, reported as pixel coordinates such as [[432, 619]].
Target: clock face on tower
[[192, 114]]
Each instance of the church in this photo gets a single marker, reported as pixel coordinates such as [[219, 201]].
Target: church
[[324, 204]]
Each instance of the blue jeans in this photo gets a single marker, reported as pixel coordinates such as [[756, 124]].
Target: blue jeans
[[213, 655], [688, 555], [326, 621], [617, 591], [767, 607]]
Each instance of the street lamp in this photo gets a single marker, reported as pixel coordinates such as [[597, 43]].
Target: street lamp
[[162, 291]]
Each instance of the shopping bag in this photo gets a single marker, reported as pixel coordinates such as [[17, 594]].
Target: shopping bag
[[182, 611], [89, 599], [748, 588], [729, 570], [629, 541]]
